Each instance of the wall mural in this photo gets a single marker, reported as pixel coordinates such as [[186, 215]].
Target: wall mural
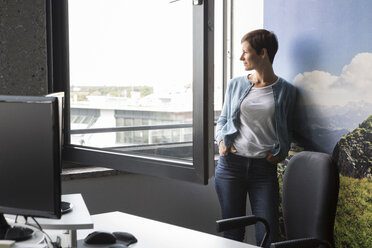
[[325, 50]]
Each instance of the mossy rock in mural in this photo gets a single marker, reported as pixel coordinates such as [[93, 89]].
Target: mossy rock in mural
[[353, 154]]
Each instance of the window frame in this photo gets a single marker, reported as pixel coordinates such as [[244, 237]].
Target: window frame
[[202, 166]]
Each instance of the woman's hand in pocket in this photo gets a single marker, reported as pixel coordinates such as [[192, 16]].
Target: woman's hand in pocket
[[223, 150], [273, 159]]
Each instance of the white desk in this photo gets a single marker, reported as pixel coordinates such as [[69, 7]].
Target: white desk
[[155, 234], [78, 218]]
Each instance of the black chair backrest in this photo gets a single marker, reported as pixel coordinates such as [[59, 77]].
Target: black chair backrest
[[310, 193]]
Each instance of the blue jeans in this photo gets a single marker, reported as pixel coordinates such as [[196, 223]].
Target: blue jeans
[[235, 177]]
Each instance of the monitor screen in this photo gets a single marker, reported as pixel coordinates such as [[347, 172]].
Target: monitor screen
[[30, 156]]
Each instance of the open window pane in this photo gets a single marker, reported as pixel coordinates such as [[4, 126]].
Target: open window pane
[[138, 81], [131, 76]]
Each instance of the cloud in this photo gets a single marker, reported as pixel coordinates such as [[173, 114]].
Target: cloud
[[315, 80], [353, 84], [358, 74]]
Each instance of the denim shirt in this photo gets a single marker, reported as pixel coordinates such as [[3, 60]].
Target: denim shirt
[[284, 99]]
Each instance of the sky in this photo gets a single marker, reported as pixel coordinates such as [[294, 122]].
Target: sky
[[121, 42], [324, 47]]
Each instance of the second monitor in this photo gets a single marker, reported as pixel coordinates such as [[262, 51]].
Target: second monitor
[[30, 158]]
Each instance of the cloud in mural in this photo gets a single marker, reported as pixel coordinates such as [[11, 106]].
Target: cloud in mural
[[354, 83]]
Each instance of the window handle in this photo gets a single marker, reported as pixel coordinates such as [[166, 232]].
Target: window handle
[[197, 2]]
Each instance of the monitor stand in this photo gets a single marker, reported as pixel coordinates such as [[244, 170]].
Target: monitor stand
[[16, 233], [66, 207]]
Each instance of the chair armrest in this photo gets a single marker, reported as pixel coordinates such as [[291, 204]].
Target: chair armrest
[[303, 243], [238, 222]]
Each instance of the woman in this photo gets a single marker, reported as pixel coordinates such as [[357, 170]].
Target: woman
[[253, 134]]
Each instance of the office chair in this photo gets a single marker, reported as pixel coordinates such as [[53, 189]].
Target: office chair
[[309, 201]]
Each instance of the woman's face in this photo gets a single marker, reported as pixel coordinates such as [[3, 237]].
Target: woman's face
[[250, 58]]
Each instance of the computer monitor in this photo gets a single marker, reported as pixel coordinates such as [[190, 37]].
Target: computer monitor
[[30, 158]]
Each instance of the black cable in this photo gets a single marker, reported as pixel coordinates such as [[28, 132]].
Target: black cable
[[37, 223], [41, 229]]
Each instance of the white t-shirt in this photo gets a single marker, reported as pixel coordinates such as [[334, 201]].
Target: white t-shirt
[[257, 133]]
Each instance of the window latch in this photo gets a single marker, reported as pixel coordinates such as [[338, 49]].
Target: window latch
[[197, 2]]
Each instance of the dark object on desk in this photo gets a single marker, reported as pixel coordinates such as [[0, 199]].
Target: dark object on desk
[[18, 233], [310, 194], [126, 238], [57, 243], [100, 238], [66, 207]]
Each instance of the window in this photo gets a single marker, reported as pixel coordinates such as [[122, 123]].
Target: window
[[138, 83]]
